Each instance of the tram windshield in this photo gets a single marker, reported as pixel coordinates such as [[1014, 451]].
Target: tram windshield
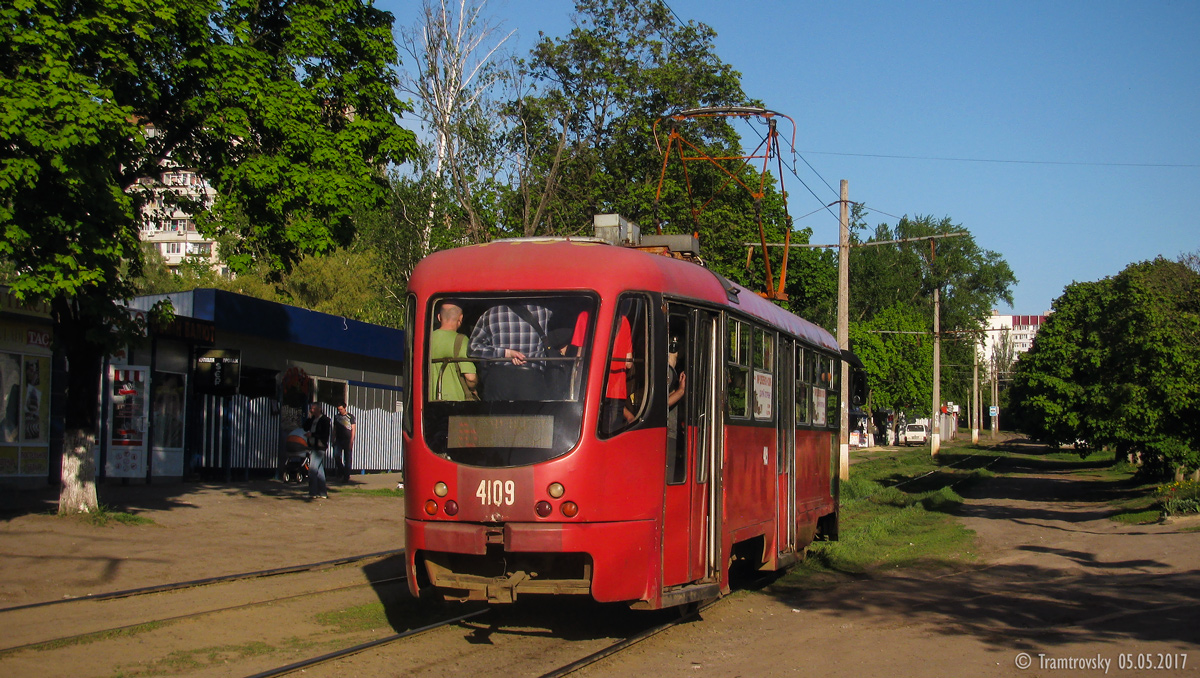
[[505, 376]]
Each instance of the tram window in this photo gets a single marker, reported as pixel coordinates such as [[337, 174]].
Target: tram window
[[738, 369], [523, 408], [816, 365], [676, 389], [410, 321], [803, 388], [833, 402], [626, 383], [764, 375]]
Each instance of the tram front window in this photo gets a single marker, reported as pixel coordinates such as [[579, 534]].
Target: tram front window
[[505, 376]]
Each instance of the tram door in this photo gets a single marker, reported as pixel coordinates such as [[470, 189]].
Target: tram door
[[689, 520], [705, 422], [786, 429]]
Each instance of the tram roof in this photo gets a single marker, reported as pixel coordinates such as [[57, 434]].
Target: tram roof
[[589, 264]]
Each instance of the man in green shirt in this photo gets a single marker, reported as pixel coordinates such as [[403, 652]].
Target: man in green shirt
[[450, 379]]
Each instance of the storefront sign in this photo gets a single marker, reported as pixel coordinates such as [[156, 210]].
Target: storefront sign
[[218, 371]]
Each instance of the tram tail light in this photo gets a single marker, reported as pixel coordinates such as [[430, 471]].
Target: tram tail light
[[440, 489], [570, 509], [543, 508], [451, 507], [431, 507], [555, 490]]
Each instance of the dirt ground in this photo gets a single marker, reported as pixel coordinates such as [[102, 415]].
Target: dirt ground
[[1056, 580]]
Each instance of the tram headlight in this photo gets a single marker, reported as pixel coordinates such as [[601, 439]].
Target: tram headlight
[[451, 507], [570, 509], [556, 490], [543, 508], [440, 489], [431, 507]]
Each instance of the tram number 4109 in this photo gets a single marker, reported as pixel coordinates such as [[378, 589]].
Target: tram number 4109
[[497, 492]]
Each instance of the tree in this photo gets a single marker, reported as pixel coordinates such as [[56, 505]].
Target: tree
[[884, 278], [623, 67], [288, 110], [897, 357], [455, 74], [1117, 366]]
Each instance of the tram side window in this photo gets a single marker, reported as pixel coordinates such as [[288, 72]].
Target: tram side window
[[737, 371], [625, 384], [764, 375], [803, 387], [832, 402], [410, 321], [814, 364]]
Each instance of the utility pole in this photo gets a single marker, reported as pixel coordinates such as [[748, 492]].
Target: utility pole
[[975, 394], [935, 435], [843, 332], [995, 390]]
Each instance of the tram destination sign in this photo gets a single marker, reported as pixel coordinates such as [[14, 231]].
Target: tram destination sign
[[218, 371]]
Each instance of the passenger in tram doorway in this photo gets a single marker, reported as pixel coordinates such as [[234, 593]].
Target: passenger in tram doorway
[[344, 430], [452, 376], [676, 378], [618, 410], [318, 426]]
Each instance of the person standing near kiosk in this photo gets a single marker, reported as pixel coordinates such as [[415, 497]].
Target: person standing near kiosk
[[344, 428]]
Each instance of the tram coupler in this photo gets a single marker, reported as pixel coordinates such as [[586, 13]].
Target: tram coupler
[[505, 590]]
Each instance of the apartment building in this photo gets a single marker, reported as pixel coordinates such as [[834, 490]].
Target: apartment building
[[1018, 330], [167, 223]]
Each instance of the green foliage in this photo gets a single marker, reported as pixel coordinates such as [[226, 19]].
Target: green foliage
[[1117, 366], [1179, 498], [891, 290], [287, 109], [898, 358], [104, 516]]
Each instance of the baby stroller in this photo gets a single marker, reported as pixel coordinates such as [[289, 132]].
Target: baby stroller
[[295, 467]]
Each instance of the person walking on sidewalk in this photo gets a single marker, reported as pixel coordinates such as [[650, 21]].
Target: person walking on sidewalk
[[319, 427], [344, 429]]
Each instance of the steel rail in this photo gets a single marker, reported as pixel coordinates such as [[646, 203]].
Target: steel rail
[[192, 615], [176, 586], [355, 649], [624, 644]]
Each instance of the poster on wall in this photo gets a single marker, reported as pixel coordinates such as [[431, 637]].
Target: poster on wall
[[127, 425], [168, 410], [819, 406], [36, 405], [10, 398]]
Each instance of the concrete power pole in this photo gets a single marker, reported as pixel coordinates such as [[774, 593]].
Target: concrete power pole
[[843, 332], [975, 395], [935, 435]]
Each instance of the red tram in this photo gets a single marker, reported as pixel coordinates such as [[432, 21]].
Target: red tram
[[666, 423]]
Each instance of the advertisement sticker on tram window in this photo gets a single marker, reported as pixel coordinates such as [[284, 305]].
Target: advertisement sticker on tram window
[[763, 389], [818, 406]]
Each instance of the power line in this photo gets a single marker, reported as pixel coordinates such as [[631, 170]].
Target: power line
[[1004, 161]]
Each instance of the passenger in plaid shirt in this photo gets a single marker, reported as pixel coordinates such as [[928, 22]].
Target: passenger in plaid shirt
[[501, 333]]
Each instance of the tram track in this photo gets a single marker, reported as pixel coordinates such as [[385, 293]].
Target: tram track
[[192, 615], [206, 581]]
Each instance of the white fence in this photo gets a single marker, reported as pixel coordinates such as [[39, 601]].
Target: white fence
[[240, 433]]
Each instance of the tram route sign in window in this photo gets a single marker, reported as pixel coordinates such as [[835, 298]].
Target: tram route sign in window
[[218, 371]]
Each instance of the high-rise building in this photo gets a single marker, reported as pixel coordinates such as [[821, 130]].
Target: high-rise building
[[1017, 331], [168, 225]]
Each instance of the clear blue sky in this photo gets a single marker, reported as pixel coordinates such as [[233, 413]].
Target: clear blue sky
[[1063, 135]]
